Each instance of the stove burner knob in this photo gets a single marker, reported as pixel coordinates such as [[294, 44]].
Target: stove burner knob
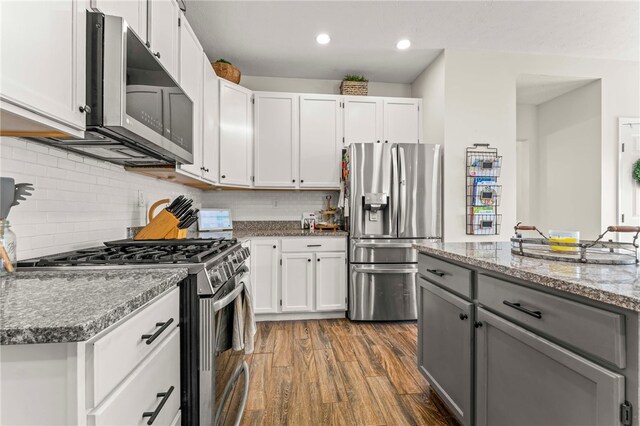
[[217, 277]]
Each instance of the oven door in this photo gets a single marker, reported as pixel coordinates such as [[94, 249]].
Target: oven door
[[232, 371]]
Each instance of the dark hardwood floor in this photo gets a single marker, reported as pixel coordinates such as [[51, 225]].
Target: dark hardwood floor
[[336, 372]]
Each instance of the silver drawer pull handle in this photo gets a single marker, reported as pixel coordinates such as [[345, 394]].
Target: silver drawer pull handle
[[519, 307]]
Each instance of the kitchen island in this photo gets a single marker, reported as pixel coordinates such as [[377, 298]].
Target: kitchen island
[[505, 339]]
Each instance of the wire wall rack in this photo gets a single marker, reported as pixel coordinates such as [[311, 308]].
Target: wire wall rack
[[483, 193]]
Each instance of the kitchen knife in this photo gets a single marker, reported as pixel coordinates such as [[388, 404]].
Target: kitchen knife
[[179, 205], [182, 209], [185, 215], [188, 222], [174, 203]]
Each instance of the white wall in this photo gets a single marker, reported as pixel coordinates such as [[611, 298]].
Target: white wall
[[569, 162], [78, 202], [429, 86], [267, 205], [526, 146], [480, 106], [330, 87]]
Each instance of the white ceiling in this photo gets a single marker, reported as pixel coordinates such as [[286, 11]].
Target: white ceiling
[[537, 89], [277, 38]]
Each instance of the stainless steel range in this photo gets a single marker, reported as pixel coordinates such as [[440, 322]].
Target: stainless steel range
[[217, 276]]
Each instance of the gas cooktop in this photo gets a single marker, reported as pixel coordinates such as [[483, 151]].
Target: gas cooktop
[[131, 252]]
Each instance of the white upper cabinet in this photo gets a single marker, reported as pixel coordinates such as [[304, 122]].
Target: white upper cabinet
[[402, 121], [275, 140], [41, 100], [133, 11], [191, 82], [320, 141], [163, 33], [235, 134], [363, 119], [210, 123]]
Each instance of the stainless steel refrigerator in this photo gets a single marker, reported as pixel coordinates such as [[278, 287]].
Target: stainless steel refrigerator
[[394, 200]]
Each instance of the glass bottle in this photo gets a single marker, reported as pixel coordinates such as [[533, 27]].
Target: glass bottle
[[8, 243]]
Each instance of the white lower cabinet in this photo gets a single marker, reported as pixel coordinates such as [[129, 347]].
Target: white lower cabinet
[[297, 282], [331, 281], [299, 275], [264, 275], [153, 389]]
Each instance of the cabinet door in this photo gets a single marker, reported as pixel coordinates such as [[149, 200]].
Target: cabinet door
[[191, 82], [235, 134], [264, 275], [331, 281], [445, 338], [525, 379], [133, 11], [164, 33], [320, 141], [275, 139], [37, 33], [402, 120], [210, 123], [297, 282], [363, 120]]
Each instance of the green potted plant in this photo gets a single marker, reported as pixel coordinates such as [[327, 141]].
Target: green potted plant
[[225, 69], [353, 84]]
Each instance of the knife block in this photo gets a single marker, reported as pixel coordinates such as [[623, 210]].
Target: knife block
[[164, 226]]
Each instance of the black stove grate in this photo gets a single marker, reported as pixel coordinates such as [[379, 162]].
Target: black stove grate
[[128, 252]]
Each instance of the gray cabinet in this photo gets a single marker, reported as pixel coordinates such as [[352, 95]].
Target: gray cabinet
[[522, 378], [445, 341]]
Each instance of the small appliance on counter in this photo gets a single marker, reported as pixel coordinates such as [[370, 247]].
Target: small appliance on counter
[[215, 223], [308, 221]]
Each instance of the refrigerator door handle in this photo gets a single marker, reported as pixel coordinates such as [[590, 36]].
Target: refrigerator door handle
[[384, 245], [403, 190], [393, 213], [386, 270]]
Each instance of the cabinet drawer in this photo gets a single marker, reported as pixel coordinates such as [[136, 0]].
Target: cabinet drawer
[[593, 330], [153, 387], [119, 351], [313, 244], [448, 275]]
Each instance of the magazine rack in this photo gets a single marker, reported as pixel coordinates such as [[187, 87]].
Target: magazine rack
[[482, 189]]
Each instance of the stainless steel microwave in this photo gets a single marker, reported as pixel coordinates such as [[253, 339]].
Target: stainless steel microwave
[[137, 114]]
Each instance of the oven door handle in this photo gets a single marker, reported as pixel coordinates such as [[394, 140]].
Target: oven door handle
[[220, 304], [242, 369]]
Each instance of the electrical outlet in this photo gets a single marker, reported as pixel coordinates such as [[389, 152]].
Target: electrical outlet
[[140, 198]]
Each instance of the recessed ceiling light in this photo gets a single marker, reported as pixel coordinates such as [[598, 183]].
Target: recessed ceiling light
[[403, 44], [323, 38]]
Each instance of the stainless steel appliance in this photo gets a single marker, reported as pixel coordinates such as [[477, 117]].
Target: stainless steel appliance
[[217, 275], [394, 201], [137, 114]]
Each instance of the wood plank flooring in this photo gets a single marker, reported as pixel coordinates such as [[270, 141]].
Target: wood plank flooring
[[338, 372]]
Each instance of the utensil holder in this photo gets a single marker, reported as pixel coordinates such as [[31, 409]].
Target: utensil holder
[[164, 226]]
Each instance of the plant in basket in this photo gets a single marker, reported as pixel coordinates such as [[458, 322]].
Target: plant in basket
[[225, 69], [353, 84]]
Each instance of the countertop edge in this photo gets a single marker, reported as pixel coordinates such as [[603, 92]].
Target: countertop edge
[[83, 332], [568, 286]]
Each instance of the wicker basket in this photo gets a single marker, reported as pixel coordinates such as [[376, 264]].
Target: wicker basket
[[358, 88], [227, 71]]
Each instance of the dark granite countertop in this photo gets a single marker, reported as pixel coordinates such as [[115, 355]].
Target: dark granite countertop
[[72, 306], [243, 230], [617, 285]]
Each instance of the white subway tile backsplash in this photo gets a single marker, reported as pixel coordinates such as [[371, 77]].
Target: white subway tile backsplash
[[78, 202]]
